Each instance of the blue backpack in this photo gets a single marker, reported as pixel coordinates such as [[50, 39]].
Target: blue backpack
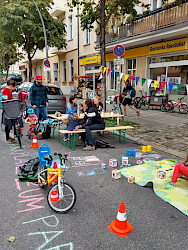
[[133, 92]]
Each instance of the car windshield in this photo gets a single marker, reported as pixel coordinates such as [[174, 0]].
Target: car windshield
[[53, 91]]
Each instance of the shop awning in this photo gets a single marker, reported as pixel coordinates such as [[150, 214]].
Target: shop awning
[[82, 77]]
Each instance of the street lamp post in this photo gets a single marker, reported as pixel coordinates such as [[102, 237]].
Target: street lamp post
[[45, 37]]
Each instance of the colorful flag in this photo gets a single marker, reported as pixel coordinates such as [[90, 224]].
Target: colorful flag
[[104, 70], [156, 84], [101, 69], [149, 81], [143, 81], [117, 74], [171, 85], [108, 71], [112, 73], [137, 79], [131, 78], [121, 75], [179, 86], [187, 88], [126, 77], [162, 85], [101, 76]]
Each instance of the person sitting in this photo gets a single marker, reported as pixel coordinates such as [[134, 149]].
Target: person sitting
[[91, 121], [71, 122], [33, 120], [98, 104], [181, 168], [72, 103], [81, 108]]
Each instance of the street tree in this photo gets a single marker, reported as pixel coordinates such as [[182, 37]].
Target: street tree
[[21, 21], [100, 12]]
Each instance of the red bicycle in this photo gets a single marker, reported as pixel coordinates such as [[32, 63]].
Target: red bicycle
[[170, 105]]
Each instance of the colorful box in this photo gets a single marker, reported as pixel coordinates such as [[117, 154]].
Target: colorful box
[[129, 152], [148, 148], [124, 161], [116, 174], [131, 179], [103, 166], [113, 163], [134, 153], [138, 162], [161, 174]]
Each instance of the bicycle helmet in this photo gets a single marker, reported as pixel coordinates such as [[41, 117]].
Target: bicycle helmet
[[30, 111]]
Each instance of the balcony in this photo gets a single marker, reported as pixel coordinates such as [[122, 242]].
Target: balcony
[[57, 8], [155, 20]]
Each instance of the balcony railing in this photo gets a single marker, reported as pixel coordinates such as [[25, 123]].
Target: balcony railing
[[156, 20]]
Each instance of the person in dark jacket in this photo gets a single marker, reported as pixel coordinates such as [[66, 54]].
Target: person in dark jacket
[[91, 121], [39, 99]]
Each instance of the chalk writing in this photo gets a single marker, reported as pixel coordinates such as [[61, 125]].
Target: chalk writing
[[59, 247], [45, 220], [47, 240], [91, 172]]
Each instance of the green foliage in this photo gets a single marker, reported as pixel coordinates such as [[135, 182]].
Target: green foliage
[[20, 21]]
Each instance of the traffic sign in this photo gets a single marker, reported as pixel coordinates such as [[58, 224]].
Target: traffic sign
[[47, 63], [119, 61], [119, 50], [47, 69]]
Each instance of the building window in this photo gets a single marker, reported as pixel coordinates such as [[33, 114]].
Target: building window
[[71, 70], [131, 69], [40, 70], [64, 71], [35, 72], [86, 37], [70, 34]]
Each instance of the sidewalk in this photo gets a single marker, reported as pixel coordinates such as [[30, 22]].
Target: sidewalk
[[163, 131]]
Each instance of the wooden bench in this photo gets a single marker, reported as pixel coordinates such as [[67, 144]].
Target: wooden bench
[[74, 134]]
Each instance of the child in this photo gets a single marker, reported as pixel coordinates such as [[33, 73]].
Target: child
[[33, 120], [180, 168], [71, 122], [98, 104], [81, 108]]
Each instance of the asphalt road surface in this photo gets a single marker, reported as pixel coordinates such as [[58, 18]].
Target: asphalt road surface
[[26, 215]]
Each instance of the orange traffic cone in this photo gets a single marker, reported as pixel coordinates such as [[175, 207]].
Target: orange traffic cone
[[54, 167], [54, 196], [120, 225], [34, 143]]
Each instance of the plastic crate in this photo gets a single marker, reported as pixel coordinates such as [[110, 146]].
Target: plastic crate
[[12, 109]]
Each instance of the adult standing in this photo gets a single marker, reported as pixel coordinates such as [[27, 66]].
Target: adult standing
[[7, 95], [39, 99], [91, 121], [72, 103]]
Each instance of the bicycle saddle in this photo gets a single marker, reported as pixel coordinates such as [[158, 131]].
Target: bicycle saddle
[[48, 157]]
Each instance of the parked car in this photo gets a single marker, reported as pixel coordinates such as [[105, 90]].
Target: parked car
[[56, 99]]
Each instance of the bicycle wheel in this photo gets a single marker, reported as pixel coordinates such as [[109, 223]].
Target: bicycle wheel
[[182, 108], [44, 176], [66, 203], [165, 107], [144, 105]]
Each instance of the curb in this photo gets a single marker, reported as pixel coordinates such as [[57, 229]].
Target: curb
[[158, 147]]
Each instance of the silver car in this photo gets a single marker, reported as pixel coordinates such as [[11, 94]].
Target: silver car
[[56, 99]]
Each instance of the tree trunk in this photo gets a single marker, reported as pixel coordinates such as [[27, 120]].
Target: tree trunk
[[30, 68], [103, 52], [7, 68]]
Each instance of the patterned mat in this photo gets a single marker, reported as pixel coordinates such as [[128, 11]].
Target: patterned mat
[[147, 173]]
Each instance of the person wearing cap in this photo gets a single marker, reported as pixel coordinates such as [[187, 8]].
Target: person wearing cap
[[39, 99], [71, 122]]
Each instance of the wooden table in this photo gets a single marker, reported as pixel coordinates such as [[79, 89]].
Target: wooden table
[[81, 116]]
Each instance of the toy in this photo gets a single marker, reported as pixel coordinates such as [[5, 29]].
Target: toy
[[131, 179], [161, 174], [138, 155], [116, 174], [103, 166], [144, 148], [113, 163], [128, 153], [134, 153], [158, 166], [148, 148], [124, 161], [138, 162]]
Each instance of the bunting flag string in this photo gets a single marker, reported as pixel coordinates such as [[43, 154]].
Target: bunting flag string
[[105, 68], [126, 77], [143, 81], [171, 85], [117, 74], [131, 78], [149, 81], [137, 79], [101, 76], [156, 84], [112, 73], [121, 75], [162, 85]]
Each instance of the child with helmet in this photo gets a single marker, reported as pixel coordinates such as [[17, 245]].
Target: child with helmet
[[33, 120]]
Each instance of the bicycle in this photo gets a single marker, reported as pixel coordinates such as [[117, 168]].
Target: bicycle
[[61, 196], [12, 111], [115, 108], [140, 102], [170, 105]]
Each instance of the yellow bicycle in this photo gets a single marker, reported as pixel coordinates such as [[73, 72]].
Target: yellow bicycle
[[61, 196]]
